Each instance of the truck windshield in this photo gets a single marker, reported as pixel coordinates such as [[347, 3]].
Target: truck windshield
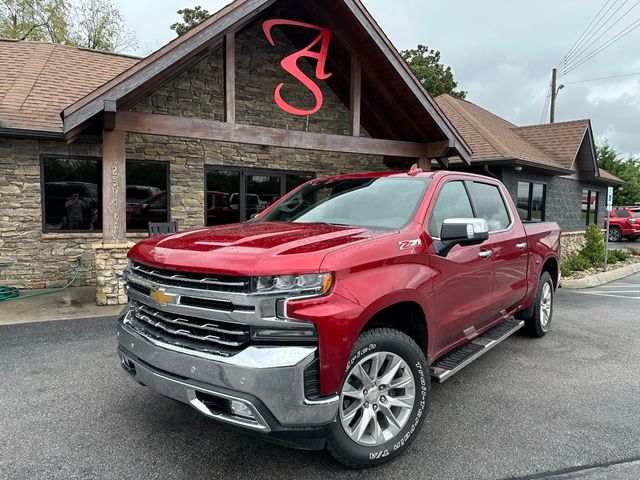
[[375, 203]]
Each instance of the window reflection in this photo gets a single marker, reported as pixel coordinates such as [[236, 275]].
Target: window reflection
[[147, 194], [72, 197]]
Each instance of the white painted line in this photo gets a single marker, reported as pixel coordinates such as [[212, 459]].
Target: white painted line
[[615, 291], [622, 285], [607, 295]]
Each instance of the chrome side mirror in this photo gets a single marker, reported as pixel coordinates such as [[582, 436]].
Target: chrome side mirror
[[463, 232]]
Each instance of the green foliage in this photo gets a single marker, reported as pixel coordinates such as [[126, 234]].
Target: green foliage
[[593, 249], [34, 20], [434, 76], [592, 254], [95, 24], [192, 17], [617, 256], [626, 169], [576, 263], [99, 25]]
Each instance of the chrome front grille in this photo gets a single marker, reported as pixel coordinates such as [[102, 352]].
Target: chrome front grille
[[221, 283], [218, 337]]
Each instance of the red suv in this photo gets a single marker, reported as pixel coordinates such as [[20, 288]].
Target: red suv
[[625, 223]]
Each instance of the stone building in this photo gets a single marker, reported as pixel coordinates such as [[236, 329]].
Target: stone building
[[551, 170], [210, 129], [222, 121]]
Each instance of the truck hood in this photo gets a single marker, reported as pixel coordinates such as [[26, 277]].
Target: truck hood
[[250, 249]]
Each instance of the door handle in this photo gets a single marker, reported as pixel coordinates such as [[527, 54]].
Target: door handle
[[521, 246], [485, 254]]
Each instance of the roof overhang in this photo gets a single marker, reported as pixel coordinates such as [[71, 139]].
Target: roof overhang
[[160, 67], [533, 166]]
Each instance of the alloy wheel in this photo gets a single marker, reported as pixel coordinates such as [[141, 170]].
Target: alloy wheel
[[546, 301], [377, 399]]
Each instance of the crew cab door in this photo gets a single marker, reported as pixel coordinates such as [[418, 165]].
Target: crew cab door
[[462, 286], [507, 244]]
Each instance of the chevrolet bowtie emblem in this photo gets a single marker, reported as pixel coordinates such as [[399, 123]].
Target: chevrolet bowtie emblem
[[162, 298]]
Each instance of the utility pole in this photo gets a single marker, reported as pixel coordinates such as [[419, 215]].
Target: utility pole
[[554, 94]]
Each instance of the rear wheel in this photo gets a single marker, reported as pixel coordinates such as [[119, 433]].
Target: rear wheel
[[615, 234], [539, 323], [383, 400]]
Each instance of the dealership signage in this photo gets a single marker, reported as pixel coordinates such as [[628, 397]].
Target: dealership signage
[[290, 64]]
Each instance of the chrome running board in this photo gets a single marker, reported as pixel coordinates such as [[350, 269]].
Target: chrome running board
[[459, 358]]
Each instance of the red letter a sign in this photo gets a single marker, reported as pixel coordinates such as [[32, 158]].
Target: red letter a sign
[[290, 64]]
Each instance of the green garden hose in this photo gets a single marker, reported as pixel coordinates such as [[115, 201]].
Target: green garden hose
[[11, 293]]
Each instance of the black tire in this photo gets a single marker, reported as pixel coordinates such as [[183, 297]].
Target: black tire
[[615, 234], [536, 326], [355, 455]]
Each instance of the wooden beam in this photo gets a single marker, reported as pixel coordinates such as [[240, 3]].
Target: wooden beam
[[425, 164], [356, 94], [109, 121], [230, 77], [152, 124], [114, 215]]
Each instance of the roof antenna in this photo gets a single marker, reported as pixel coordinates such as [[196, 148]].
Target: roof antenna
[[415, 170]]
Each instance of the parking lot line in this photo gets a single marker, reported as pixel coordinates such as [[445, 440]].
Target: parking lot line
[[602, 294]]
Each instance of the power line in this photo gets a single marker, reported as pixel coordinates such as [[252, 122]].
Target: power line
[[602, 78], [613, 40], [576, 57], [546, 103], [585, 31]]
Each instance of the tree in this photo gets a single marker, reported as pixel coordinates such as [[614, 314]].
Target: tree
[[434, 76], [35, 20], [627, 169], [96, 24], [99, 25], [192, 17]]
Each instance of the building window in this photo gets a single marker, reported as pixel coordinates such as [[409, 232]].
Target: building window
[[590, 206], [147, 193], [532, 200], [71, 194], [236, 194]]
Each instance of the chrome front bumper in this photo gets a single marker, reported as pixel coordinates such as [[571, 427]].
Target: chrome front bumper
[[269, 381]]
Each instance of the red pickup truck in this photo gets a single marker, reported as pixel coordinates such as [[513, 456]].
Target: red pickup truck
[[321, 322]]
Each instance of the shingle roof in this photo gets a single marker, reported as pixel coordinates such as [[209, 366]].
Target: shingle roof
[[559, 140], [38, 80], [610, 178], [491, 137], [494, 139]]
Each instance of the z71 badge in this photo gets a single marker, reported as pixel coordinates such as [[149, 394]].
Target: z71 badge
[[410, 244]]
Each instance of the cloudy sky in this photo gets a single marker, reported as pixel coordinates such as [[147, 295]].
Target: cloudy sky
[[501, 52]]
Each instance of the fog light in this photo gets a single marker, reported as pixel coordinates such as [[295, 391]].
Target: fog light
[[240, 409]]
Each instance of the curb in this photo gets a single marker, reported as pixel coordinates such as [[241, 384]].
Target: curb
[[601, 278]]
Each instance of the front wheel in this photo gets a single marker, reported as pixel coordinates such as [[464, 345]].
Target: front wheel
[[615, 234], [383, 400], [539, 323]]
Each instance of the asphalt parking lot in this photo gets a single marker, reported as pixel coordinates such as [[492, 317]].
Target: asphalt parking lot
[[564, 407]]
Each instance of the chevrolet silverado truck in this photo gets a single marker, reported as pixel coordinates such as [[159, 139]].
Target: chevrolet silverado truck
[[321, 322]]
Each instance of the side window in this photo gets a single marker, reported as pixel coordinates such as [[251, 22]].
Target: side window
[[453, 202], [490, 205]]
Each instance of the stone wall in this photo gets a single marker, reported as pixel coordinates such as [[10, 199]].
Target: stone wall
[[111, 261], [571, 243], [30, 258], [564, 197]]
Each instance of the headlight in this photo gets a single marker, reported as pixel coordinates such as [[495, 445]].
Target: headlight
[[309, 284]]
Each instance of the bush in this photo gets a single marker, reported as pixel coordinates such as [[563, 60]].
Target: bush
[[616, 256], [593, 249], [576, 263]]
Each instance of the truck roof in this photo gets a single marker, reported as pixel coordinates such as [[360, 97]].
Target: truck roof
[[401, 174]]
